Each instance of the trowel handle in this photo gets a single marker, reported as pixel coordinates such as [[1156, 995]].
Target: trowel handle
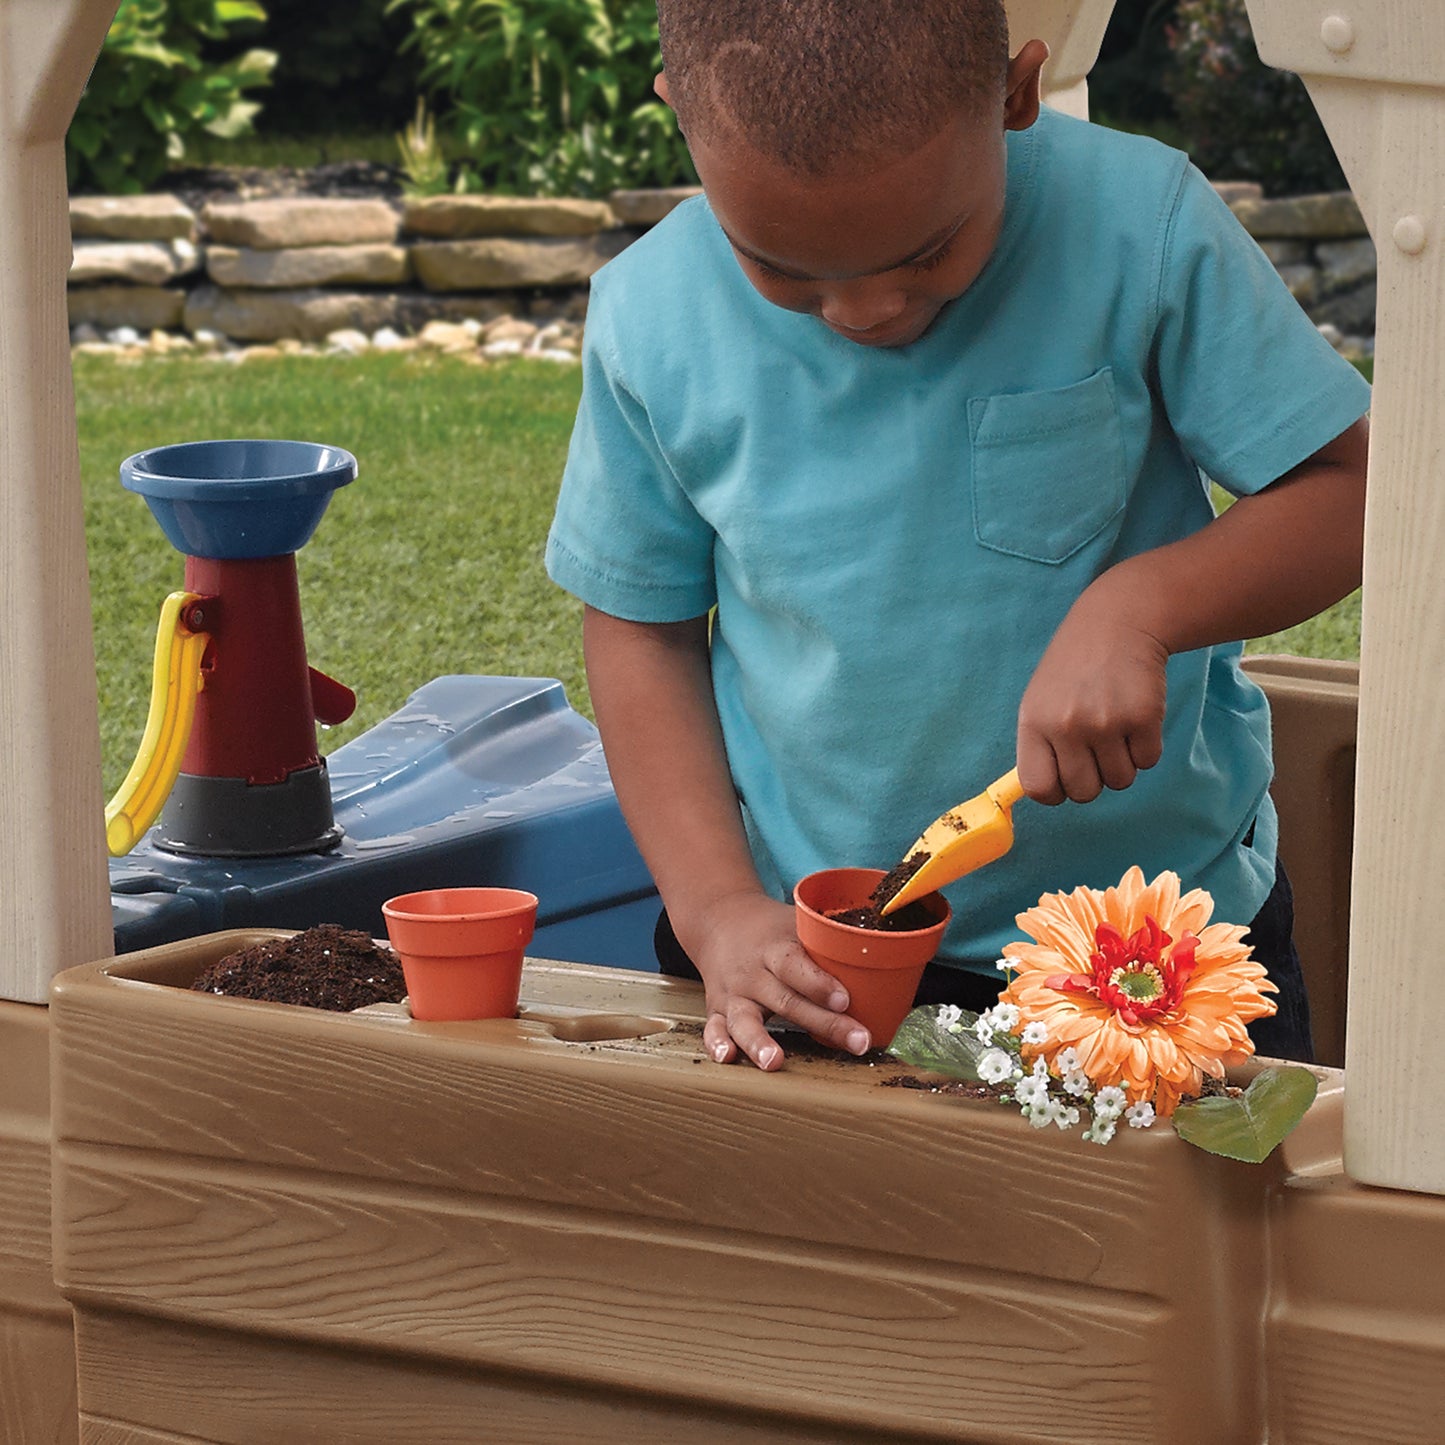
[[1008, 790]]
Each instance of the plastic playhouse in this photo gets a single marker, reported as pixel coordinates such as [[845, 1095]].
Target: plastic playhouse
[[235, 1221]]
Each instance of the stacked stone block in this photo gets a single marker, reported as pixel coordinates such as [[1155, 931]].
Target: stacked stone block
[[308, 269]]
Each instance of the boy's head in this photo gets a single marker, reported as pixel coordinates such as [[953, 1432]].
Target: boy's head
[[853, 153]]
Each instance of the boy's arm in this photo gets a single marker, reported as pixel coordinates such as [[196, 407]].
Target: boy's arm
[[1093, 713], [651, 688]]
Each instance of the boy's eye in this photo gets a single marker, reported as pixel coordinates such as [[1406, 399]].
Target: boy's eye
[[934, 258], [771, 272]]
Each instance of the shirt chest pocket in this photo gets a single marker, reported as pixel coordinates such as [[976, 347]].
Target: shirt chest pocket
[[1048, 468]]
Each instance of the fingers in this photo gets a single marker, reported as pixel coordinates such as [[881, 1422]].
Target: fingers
[[1080, 769], [787, 986]]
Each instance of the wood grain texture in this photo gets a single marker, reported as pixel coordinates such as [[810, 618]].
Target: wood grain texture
[[37, 1350], [1356, 1333], [720, 1319], [37, 1380], [1395, 1062], [53, 884], [212, 1385], [96, 1430], [629, 1218]]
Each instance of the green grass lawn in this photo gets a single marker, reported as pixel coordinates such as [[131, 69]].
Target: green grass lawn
[[430, 563]]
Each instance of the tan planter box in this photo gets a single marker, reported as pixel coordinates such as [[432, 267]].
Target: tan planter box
[[37, 1349], [267, 1215]]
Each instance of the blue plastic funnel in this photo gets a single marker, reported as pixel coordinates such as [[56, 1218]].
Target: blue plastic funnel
[[238, 499]]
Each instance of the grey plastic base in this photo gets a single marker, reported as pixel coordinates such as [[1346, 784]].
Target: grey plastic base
[[231, 818]]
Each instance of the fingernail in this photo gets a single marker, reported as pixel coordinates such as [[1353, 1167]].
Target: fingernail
[[720, 1052], [858, 1041], [767, 1058], [838, 1001]]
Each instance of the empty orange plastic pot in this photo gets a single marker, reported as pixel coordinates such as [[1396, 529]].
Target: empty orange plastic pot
[[879, 968], [461, 949]]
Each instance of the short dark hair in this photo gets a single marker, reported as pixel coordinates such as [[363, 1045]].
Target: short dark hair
[[813, 82]]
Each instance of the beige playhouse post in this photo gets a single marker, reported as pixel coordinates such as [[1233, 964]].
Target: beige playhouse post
[[54, 893], [1074, 30], [1376, 72]]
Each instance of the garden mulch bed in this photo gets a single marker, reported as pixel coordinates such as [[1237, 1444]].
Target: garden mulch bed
[[348, 180]]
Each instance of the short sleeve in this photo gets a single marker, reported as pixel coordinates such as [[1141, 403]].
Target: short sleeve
[[625, 538], [1250, 386]]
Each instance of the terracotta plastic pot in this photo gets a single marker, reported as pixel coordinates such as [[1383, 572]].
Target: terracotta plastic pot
[[880, 969], [461, 949]]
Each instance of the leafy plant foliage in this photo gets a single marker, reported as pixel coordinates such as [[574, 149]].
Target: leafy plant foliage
[[548, 97], [153, 88], [1242, 119]]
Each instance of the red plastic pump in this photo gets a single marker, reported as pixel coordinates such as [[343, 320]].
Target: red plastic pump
[[230, 761]]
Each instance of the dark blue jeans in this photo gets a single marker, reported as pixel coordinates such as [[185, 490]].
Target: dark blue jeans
[[1284, 1035]]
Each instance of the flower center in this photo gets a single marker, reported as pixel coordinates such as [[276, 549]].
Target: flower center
[[1139, 981], [1140, 978]]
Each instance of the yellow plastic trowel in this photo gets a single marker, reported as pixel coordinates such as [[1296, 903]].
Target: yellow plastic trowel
[[964, 838]]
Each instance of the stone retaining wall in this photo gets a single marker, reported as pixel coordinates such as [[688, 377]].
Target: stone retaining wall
[[306, 269]]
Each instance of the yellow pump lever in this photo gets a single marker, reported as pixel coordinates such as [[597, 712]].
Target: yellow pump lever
[[176, 679]]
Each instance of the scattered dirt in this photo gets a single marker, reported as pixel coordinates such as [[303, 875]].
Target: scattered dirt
[[326, 967], [958, 1088]]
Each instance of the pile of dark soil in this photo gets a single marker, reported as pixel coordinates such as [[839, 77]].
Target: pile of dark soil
[[905, 920], [326, 967], [196, 185]]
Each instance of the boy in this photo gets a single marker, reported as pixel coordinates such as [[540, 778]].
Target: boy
[[887, 473]]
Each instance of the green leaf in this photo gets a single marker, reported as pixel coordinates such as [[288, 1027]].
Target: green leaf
[[1249, 1127], [923, 1042]]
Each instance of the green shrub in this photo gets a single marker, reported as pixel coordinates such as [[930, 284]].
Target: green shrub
[[154, 88], [549, 97], [1242, 119]]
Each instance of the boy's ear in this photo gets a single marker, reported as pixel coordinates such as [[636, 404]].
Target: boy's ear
[[1023, 85], [661, 88]]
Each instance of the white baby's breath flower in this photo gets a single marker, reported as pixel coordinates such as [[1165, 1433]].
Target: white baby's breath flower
[[1053, 1111], [1041, 1069], [1034, 1033], [1076, 1082], [983, 1030], [1003, 1016], [1031, 1092], [1109, 1102], [995, 1066], [1066, 1060], [949, 1016], [1004, 966], [1140, 1116], [1102, 1129]]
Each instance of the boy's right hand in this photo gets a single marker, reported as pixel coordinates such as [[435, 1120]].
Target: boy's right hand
[[752, 965]]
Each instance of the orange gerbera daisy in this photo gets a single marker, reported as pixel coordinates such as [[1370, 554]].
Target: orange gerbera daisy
[[1149, 994]]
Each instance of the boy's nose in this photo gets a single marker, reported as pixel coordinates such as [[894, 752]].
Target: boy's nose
[[863, 308]]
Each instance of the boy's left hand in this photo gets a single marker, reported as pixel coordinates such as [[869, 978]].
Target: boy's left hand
[[1093, 714]]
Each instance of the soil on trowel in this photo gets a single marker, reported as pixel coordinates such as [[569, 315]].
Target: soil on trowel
[[326, 967]]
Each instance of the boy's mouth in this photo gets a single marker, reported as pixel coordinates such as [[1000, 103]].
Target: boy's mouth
[[900, 331]]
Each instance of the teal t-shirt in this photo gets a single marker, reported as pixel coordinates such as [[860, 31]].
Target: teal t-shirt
[[891, 537]]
